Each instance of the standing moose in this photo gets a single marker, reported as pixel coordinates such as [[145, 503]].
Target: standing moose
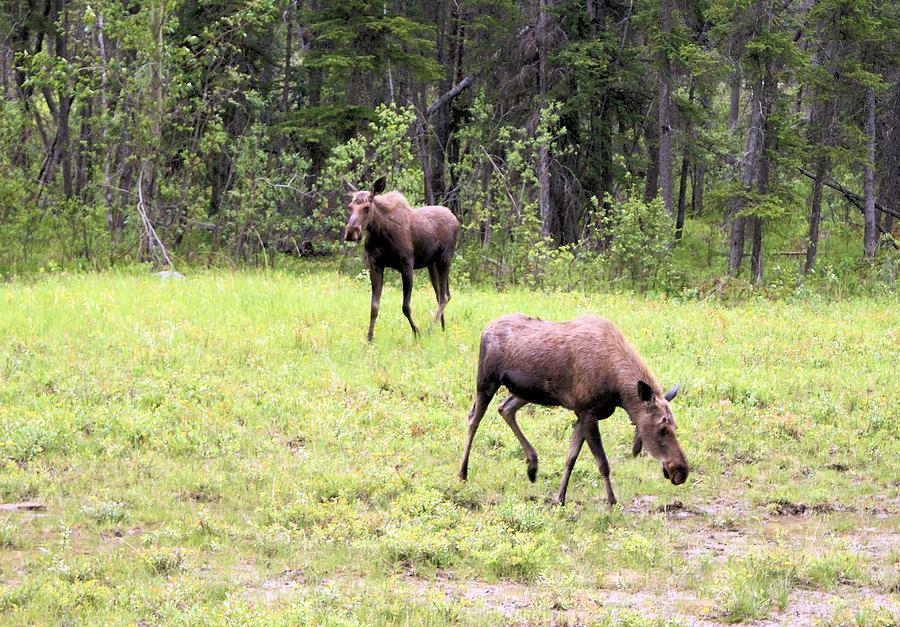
[[585, 365], [403, 238]]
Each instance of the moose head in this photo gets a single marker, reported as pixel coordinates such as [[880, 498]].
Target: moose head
[[655, 432], [361, 207]]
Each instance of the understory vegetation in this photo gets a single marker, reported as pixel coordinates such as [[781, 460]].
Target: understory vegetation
[[228, 448]]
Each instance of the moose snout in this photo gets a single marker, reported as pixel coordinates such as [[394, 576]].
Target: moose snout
[[351, 234], [676, 474]]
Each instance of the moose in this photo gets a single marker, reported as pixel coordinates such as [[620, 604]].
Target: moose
[[403, 238], [585, 365]]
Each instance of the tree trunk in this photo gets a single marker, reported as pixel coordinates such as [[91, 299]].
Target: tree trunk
[[697, 188], [889, 164], [756, 270], [665, 118], [288, 53], [823, 164], [762, 187], [699, 170], [422, 141], [156, 32], [822, 123], [440, 118], [682, 183], [112, 221], [751, 156], [453, 148], [734, 108], [651, 136], [682, 193], [870, 237], [544, 149]]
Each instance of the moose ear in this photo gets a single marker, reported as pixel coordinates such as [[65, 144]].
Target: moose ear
[[350, 186], [378, 187], [645, 392], [673, 392]]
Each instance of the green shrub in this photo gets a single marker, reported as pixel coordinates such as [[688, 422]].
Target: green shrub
[[641, 236]]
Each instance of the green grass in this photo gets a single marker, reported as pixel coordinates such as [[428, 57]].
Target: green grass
[[228, 448]]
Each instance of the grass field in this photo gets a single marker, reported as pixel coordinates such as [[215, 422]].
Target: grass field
[[228, 448]]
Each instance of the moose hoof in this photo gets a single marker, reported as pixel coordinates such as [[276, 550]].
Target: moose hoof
[[463, 475], [532, 473], [557, 502]]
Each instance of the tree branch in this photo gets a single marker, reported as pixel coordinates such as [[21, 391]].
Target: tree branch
[[450, 95], [853, 197]]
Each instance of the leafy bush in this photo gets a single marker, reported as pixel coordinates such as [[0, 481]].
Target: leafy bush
[[641, 235]]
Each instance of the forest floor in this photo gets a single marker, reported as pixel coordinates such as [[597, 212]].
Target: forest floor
[[229, 449]]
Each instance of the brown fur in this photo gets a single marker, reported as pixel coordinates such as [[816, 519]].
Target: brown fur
[[403, 238], [585, 365]]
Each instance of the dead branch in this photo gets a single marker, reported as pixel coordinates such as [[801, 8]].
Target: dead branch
[[450, 95], [853, 197], [153, 241], [502, 180]]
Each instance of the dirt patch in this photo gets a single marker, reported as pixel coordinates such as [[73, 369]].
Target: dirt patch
[[719, 544], [677, 509], [649, 504], [585, 606], [504, 597], [725, 508], [873, 543], [807, 607], [542, 604], [579, 606], [287, 582], [783, 507], [200, 496]]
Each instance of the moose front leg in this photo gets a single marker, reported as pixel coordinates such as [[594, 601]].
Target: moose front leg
[[376, 274], [407, 275], [483, 396], [592, 435], [508, 410], [574, 449]]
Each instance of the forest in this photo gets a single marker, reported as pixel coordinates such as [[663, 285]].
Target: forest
[[652, 145]]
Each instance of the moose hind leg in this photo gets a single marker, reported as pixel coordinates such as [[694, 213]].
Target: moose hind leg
[[592, 434], [482, 399], [443, 271], [435, 277], [407, 275], [574, 449], [508, 410]]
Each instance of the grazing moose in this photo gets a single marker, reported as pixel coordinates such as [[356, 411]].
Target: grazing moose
[[403, 238], [585, 365]]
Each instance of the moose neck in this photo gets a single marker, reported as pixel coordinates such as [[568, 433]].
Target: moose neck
[[390, 216], [632, 405]]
